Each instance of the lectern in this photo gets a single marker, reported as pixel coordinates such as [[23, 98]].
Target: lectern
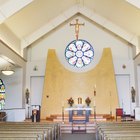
[[36, 113]]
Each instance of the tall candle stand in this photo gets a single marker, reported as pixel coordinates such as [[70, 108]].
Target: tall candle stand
[[110, 106], [62, 114], [94, 107], [94, 112]]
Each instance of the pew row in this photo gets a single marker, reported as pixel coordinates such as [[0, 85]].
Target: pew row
[[118, 131], [45, 131]]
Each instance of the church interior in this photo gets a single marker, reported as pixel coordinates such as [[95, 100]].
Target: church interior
[[69, 69]]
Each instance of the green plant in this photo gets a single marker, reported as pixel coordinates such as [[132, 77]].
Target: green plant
[[70, 101], [88, 101]]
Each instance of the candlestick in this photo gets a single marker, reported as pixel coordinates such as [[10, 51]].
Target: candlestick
[[110, 105], [94, 103], [62, 114], [95, 90], [94, 113]]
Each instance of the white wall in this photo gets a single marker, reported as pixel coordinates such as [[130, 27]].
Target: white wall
[[124, 92], [138, 82], [137, 79], [98, 37], [15, 115], [63, 35], [36, 90]]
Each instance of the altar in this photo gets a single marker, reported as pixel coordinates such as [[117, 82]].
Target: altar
[[79, 111]]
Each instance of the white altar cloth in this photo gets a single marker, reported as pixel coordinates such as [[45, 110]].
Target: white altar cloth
[[78, 108]]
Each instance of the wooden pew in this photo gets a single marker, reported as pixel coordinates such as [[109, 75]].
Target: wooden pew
[[45, 132], [25, 132], [22, 135], [115, 131], [54, 126], [128, 136], [19, 138], [10, 126]]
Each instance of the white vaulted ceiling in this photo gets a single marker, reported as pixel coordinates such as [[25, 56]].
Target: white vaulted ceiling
[[31, 19], [35, 15]]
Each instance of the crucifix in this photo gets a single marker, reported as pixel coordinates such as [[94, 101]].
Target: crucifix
[[77, 25]]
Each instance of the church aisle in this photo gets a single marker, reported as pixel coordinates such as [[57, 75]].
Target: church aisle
[[78, 137]]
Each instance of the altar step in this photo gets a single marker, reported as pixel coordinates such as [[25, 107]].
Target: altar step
[[59, 118], [78, 128], [79, 124]]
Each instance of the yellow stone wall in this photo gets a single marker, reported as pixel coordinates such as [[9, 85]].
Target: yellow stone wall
[[61, 84]]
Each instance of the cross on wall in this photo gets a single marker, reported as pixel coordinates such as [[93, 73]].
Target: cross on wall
[[77, 27]]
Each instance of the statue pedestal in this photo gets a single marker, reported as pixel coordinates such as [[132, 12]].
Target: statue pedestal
[[137, 113]]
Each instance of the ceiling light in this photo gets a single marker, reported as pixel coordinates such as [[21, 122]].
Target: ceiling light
[[8, 71]]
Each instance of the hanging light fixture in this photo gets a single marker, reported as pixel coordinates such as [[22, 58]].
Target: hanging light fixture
[[8, 71]]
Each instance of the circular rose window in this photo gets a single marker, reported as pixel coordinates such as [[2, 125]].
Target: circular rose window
[[79, 53]]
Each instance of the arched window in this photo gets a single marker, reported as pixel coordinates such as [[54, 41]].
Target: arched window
[[2, 95]]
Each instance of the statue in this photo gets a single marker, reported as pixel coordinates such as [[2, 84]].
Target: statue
[[133, 94], [27, 96]]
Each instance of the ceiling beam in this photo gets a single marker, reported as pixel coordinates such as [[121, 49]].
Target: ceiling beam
[[10, 7], [9, 53]]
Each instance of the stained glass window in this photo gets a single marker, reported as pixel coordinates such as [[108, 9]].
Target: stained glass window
[[79, 53], [2, 95]]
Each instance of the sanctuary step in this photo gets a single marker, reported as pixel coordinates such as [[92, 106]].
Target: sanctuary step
[[59, 118], [78, 128], [79, 124]]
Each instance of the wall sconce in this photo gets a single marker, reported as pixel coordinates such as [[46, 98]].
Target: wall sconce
[[35, 68], [124, 66]]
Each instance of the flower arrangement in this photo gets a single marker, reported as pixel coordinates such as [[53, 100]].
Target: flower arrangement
[[87, 101], [70, 101]]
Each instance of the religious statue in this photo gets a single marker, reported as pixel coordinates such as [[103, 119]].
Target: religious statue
[[133, 94], [27, 93]]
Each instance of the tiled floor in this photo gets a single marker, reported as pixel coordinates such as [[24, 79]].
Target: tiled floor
[[78, 137]]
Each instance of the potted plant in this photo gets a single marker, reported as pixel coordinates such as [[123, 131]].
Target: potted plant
[[70, 101], [88, 101]]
